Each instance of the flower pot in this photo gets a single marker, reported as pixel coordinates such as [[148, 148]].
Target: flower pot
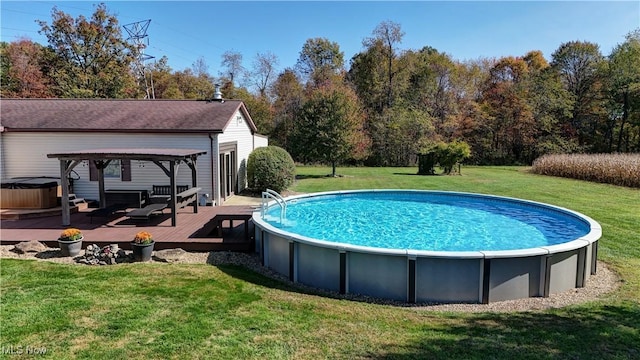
[[70, 248], [142, 252]]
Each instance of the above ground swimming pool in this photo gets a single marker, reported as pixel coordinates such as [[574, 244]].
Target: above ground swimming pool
[[427, 246]]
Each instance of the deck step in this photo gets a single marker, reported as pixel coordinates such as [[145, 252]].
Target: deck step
[[19, 214]]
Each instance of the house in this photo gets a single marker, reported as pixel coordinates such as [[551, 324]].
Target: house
[[222, 130]]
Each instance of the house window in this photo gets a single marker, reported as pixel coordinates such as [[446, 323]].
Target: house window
[[113, 170], [117, 169]]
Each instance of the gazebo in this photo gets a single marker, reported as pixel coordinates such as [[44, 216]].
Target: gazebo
[[102, 157]]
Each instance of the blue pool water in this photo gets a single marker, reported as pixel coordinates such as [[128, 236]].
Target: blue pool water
[[427, 221]]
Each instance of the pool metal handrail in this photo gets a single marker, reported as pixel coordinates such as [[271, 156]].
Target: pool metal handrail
[[272, 194]]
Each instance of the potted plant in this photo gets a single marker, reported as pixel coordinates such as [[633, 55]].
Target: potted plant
[[70, 242], [142, 246]]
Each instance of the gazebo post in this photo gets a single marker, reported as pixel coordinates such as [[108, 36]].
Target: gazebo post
[[100, 165], [174, 191], [64, 202], [65, 168], [194, 182]]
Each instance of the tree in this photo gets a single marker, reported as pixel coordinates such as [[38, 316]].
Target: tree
[[430, 85], [5, 64], [289, 96], [262, 72], [193, 83], [510, 116], [203, 82], [260, 109], [550, 103], [465, 117], [367, 74], [624, 90], [535, 61], [397, 134], [319, 61], [330, 127], [579, 65], [200, 67], [164, 84], [191, 86], [22, 74], [389, 34], [90, 57], [232, 65]]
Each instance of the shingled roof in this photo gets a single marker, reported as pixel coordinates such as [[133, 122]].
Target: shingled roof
[[64, 115]]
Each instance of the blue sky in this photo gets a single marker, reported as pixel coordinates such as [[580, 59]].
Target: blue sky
[[186, 31]]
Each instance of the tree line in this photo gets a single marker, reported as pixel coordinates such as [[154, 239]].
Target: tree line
[[381, 109]]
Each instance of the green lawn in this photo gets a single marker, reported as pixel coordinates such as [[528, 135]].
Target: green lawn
[[160, 311]]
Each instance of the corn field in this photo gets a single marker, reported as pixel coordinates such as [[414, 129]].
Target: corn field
[[616, 169]]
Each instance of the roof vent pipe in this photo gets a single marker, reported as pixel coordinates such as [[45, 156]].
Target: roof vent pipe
[[217, 95]]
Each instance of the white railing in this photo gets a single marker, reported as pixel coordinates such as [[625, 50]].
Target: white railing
[[271, 194]]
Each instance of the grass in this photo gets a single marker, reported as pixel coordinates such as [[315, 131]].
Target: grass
[[156, 311]]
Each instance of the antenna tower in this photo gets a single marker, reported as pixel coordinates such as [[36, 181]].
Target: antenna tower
[[138, 37]]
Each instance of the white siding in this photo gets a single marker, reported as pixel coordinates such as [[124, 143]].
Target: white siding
[[2, 154], [25, 154], [260, 141], [238, 130]]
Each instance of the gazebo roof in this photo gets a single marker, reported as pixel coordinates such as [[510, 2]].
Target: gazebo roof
[[131, 154]]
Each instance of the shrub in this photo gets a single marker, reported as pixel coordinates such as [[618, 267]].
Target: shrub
[[616, 169], [453, 153], [270, 167], [446, 155]]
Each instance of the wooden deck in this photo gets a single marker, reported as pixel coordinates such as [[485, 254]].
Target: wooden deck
[[194, 232]]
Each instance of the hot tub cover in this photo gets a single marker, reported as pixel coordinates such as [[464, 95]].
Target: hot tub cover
[[29, 183]]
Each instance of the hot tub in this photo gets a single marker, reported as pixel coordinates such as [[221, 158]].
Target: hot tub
[[29, 193]]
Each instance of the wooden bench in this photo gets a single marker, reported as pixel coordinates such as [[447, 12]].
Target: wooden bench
[[187, 197], [230, 217], [145, 212], [166, 189], [184, 198], [161, 193]]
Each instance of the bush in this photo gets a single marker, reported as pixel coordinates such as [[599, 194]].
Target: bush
[[452, 154], [446, 155], [270, 167]]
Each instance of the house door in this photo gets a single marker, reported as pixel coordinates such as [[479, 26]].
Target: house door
[[228, 174], [231, 173]]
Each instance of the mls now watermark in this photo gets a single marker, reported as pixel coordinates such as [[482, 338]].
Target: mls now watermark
[[22, 350]]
